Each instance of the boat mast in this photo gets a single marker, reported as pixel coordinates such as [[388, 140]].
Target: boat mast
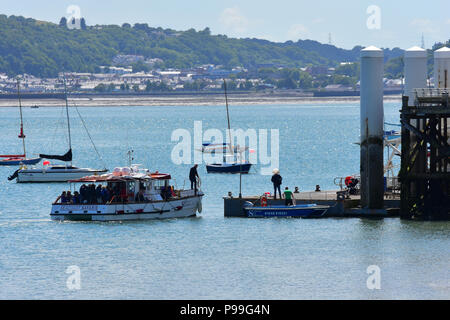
[[67, 113], [228, 115], [22, 135]]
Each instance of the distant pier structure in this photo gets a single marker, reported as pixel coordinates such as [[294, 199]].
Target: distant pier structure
[[425, 163]]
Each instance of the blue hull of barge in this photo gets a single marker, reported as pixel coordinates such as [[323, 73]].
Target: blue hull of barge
[[299, 211]]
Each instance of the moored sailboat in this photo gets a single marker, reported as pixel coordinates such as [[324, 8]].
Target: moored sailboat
[[232, 156], [55, 173], [17, 160]]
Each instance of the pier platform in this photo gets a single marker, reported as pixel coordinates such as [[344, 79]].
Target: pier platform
[[347, 207]]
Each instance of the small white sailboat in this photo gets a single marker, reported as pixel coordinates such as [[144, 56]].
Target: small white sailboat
[[55, 173]]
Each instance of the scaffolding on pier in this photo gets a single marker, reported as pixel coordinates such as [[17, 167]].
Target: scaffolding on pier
[[425, 164]]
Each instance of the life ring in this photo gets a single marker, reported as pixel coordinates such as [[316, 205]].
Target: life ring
[[263, 201], [348, 180]]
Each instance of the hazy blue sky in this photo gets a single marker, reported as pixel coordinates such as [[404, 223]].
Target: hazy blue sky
[[402, 22]]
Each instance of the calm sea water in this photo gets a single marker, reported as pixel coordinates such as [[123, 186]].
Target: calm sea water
[[209, 257]]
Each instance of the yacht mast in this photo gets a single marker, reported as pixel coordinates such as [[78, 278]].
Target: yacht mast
[[228, 116], [67, 114], [21, 135]]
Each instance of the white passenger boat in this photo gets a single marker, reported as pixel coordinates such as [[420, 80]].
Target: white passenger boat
[[130, 194]]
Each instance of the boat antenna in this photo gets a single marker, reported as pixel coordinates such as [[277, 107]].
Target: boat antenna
[[21, 135], [228, 114], [67, 113], [130, 157]]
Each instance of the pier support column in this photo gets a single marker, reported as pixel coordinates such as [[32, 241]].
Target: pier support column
[[372, 114], [416, 72]]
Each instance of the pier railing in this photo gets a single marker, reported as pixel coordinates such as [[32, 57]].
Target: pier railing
[[430, 96]]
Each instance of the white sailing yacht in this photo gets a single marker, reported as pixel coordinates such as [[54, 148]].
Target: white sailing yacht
[[56, 173], [233, 158]]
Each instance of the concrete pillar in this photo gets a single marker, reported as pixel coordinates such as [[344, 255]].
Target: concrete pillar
[[416, 74], [416, 71], [442, 68], [372, 131]]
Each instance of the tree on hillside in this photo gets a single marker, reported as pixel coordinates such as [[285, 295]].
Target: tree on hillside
[[83, 24], [63, 22], [141, 26], [306, 81], [287, 83], [100, 87], [73, 23], [393, 69], [140, 66], [348, 69]]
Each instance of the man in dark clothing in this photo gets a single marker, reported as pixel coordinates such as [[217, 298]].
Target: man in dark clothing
[[63, 197], [92, 195], [98, 194], [76, 198], [277, 181], [105, 194], [193, 175], [83, 194], [140, 196]]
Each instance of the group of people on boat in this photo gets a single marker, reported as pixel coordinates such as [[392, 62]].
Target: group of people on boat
[[89, 194], [112, 193]]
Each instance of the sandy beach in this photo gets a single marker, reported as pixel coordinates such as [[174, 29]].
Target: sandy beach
[[185, 100]]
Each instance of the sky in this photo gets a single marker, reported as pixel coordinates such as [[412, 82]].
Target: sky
[[383, 23]]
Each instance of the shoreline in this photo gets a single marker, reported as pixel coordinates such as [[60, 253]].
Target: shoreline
[[187, 100]]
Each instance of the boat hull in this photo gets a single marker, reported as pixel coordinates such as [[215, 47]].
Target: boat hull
[[60, 175], [228, 168], [179, 208], [299, 211], [19, 162]]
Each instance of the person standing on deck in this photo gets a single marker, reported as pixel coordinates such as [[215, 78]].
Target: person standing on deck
[[193, 175], [277, 181]]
